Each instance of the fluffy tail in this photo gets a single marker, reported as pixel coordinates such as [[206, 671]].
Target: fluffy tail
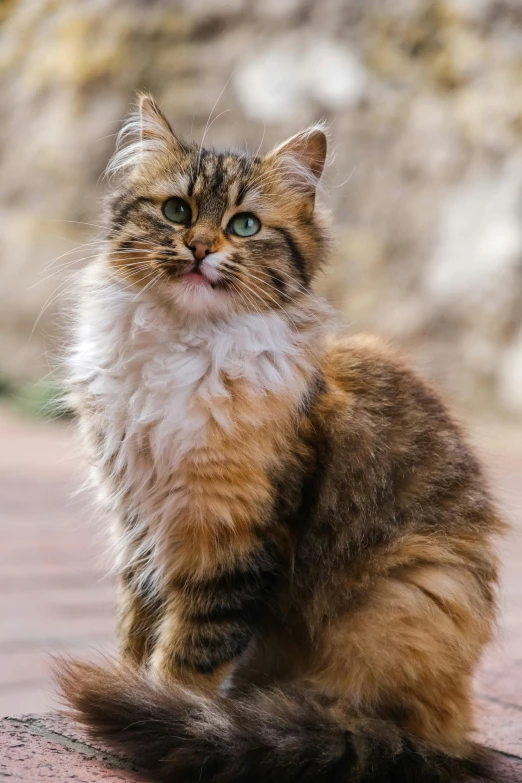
[[277, 735]]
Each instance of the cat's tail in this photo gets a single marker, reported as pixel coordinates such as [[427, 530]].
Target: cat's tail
[[279, 735]]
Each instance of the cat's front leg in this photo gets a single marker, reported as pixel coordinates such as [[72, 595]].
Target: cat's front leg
[[207, 623], [137, 621]]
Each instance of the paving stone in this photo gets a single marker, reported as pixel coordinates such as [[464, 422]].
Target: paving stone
[[32, 750], [500, 727]]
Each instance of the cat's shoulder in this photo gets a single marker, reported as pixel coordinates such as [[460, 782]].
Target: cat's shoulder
[[362, 357], [368, 367]]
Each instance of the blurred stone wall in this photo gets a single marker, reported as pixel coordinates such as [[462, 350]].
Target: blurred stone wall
[[425, 176]]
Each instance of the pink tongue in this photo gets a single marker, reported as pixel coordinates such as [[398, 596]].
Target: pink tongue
[[196, 278]]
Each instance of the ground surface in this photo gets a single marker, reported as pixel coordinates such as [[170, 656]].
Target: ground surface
[[55, 596], [54, 593]]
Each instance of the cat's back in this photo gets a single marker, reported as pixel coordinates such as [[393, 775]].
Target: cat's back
[[365, 376], [394, 441]]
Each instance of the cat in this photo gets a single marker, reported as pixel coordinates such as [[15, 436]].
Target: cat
[[305, 541]]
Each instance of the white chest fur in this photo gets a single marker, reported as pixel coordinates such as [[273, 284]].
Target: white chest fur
[[149, 388]]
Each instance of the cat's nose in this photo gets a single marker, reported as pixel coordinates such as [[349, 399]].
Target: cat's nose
[[200, 250]]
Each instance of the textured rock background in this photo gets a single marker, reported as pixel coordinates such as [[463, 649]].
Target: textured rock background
[[425, 179]]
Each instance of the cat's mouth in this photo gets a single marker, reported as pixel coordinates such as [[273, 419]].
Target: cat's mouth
[[196, 277], [202, 275], [201, 288], [197, 293]]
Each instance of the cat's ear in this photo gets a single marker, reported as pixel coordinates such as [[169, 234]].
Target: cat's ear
[[154, 124], [301, 158], [145, 133]]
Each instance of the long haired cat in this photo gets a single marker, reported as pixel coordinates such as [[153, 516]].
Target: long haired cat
[[306, 574]]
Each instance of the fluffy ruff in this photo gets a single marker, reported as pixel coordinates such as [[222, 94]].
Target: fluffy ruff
[[280, 735]]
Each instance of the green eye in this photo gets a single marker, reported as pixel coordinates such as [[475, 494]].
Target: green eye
[[244, 225], [177, 210]]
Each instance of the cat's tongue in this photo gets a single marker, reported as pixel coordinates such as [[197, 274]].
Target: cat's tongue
[[196, 278]]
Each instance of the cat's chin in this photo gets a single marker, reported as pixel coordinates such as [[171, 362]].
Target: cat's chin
[[194, 295]]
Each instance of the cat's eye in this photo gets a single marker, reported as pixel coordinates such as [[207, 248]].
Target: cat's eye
[[176, 210], [244, 225]]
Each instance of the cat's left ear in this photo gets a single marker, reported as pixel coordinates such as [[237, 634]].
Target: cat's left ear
[[301, 158]]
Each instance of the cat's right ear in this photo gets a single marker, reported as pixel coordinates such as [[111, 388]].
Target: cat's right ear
[[153, 123], [145, 133]]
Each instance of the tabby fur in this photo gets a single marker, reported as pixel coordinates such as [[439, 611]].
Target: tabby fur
[[304, 538]]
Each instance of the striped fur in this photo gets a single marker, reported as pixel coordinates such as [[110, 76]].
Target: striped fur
[[304, 538]]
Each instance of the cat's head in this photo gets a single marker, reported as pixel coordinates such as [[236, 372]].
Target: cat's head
[[215, 232]]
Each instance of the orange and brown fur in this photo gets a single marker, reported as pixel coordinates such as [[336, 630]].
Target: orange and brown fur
[[307, 578]]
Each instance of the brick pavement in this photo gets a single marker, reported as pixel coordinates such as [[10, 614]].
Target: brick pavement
[[55, 595]]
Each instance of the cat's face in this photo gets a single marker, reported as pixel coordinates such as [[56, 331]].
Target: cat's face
[[216, 232]]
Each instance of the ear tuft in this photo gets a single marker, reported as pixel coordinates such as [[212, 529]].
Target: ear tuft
[[154, 124], [146, 131], [302, 157]]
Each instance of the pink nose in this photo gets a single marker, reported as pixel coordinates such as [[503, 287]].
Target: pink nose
[[199, 250]]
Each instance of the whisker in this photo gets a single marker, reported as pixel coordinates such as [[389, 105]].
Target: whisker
[[269, 285], [246, 299], [74, 261], [133, 283], [76, 249], [101, 244], [278, 304], [299, 286], [142, 290], [79, 223], [209, 118], [49, 301]]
